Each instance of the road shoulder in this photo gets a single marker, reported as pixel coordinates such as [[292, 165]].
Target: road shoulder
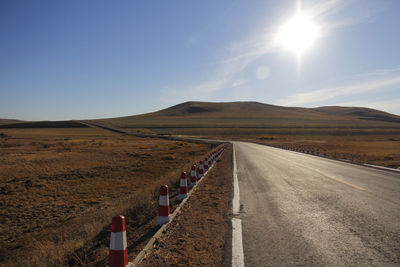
[[197, 235]]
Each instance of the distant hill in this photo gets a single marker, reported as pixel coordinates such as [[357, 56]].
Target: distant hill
[[248, 116], [360, 113], [255, 114], [8, 121], [45, 124]]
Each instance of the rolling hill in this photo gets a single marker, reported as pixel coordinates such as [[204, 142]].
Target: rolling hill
[[8, 121], [254, 114], [360, 113], [44, 124], [244, 118]]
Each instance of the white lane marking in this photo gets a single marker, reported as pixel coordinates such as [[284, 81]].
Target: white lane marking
[[236, 193], [237, 243]]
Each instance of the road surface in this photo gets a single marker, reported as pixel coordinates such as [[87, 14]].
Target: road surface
[[299, 209]]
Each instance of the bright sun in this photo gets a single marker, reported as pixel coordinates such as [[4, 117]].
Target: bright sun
[[298, 34]]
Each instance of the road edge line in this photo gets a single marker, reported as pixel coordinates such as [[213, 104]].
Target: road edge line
[[236, 192], [237, 240]]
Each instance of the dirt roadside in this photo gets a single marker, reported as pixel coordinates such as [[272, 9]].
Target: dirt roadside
[[197, 235]]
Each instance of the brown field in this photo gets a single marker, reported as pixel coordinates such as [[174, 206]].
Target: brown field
[[376, 146], [59, 189]]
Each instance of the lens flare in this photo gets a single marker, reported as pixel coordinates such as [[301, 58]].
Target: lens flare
[[298, 34]]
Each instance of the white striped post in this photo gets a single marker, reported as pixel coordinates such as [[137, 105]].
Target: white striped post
[[118, 245], [201, 170], [183, 187], [206, 164], [163, 206], [193, 178]]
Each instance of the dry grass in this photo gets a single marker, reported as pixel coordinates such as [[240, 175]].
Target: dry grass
[[59, 189]]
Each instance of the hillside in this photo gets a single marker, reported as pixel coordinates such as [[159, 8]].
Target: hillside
[[256, 115], [361, 113], [44, 124], [253, 117], [8, 121]]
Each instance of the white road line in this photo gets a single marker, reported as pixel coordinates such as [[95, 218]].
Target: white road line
[[237, 242], [236, 193]]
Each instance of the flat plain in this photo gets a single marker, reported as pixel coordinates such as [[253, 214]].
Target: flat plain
[[59, 189]]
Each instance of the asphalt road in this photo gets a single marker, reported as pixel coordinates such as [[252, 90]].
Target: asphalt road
[[299, 209]]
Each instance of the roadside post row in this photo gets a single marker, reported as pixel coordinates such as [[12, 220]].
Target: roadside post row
[[118, 253]]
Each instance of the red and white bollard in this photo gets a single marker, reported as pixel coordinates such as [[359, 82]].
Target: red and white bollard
[[183, 188], [193, 178], [206, 165], [201, 170], [163, 206], [118, 245]]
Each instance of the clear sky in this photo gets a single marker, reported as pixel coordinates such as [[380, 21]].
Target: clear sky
[[95, 59]]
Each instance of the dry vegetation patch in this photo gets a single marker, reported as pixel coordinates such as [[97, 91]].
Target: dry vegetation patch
[[60, 187]]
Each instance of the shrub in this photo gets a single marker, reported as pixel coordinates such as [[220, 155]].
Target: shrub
[[388, 158]]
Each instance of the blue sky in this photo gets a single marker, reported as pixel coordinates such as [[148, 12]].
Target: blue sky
[[96, 59]]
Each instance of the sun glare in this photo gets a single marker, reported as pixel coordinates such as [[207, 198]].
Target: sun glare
[[298, 34]]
